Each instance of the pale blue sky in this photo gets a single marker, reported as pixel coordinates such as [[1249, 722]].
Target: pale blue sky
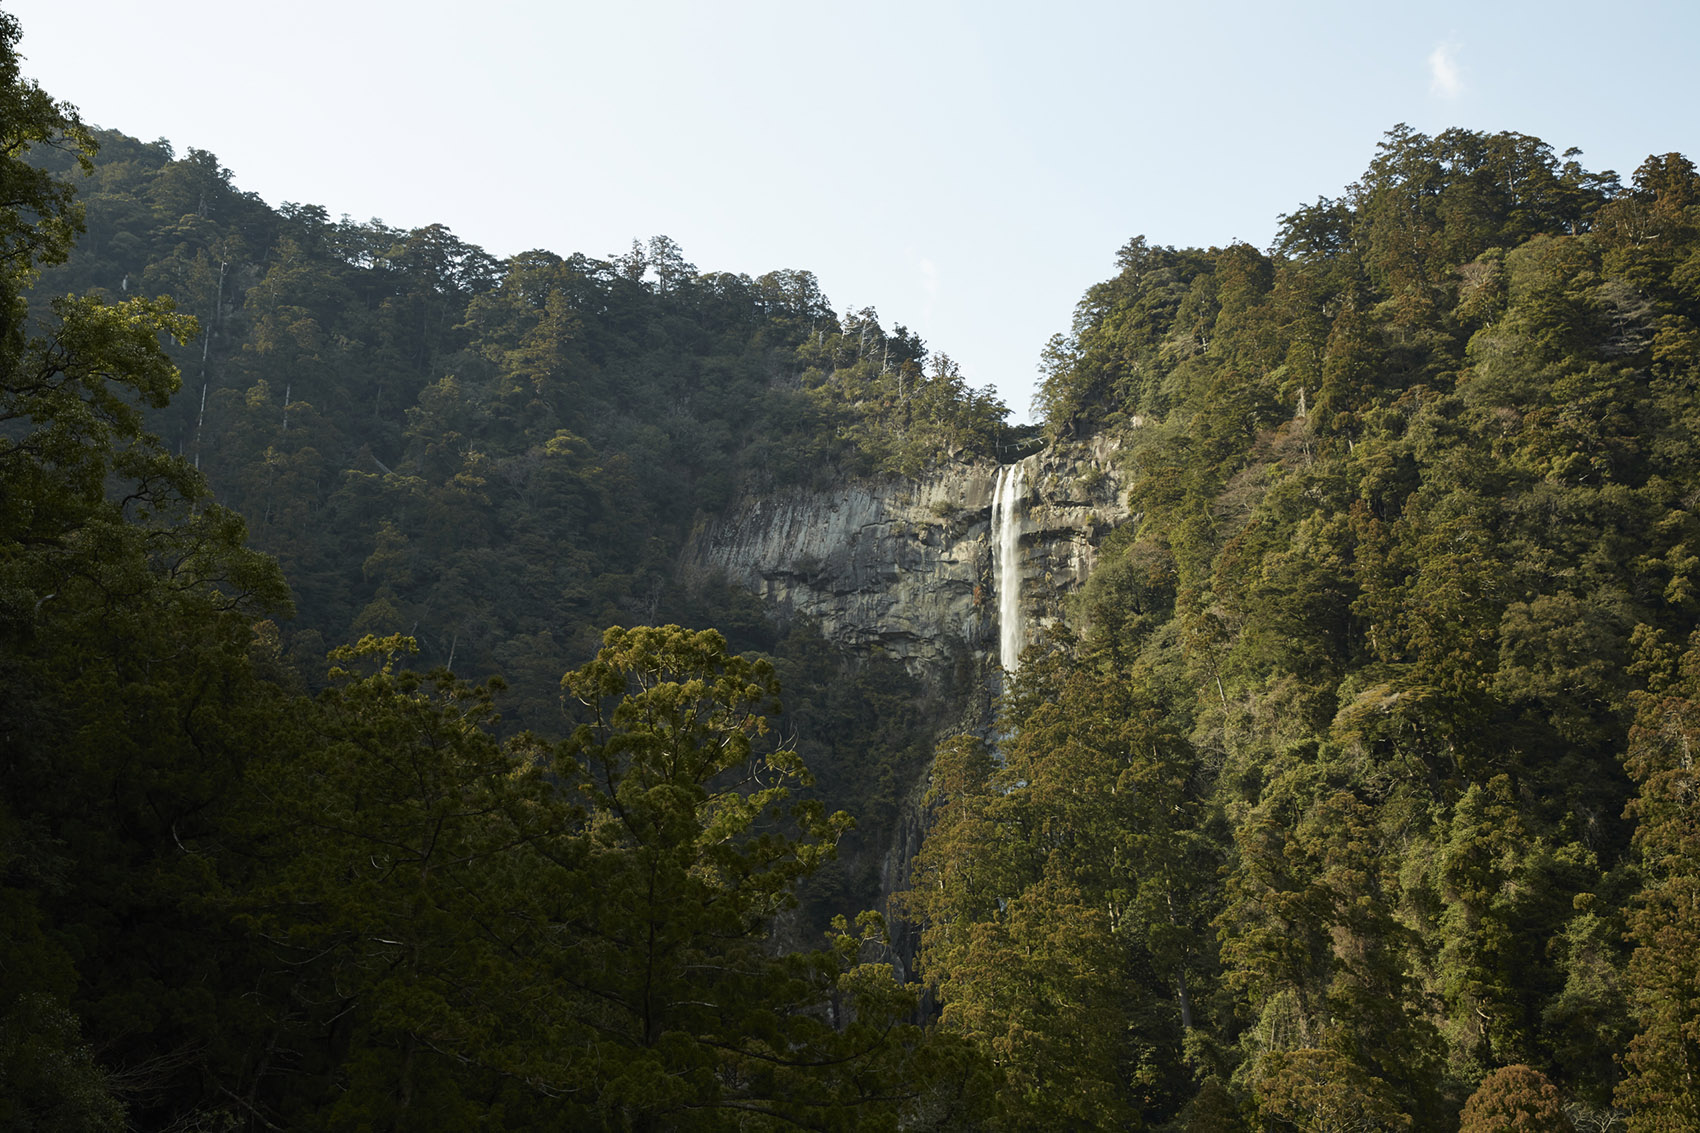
[[966, 169]]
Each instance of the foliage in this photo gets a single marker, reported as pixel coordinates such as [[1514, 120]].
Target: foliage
[[125, 602], [1414, 490], [1061, 879], [231, 904], [1356, 795], [1315, 1091], [498, 458], [1662, 1081], [581, 929], [692, 849], [1514, 1097]]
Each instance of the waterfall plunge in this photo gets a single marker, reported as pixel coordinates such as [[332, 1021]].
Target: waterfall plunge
[[1006, 544]]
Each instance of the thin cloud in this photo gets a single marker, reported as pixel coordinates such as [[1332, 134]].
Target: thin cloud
[[1445, 78], [929, 287]]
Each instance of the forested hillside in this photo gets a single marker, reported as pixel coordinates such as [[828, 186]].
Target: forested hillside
[[240, 891], [1365, 771], [498, 458], [1356, 793]]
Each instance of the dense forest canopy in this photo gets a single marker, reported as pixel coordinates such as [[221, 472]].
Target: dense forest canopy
[[227, 901], [1356, 793], [498, 458], [1363, 778]]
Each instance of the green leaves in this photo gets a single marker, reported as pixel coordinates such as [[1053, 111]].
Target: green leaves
[[1662, 1068], [408, 867], [39, 217], [1411, 533], [584, 927], [126, 600], [1061, 889], [693, 845]]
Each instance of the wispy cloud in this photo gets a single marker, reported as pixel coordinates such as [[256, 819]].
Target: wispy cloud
[[929, 277], [1445, 77], [929, 286]]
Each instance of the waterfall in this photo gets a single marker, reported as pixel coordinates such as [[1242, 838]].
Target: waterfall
[[1006, 549]]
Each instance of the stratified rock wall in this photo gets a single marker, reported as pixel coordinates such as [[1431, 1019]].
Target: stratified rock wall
[[1076, 495], [905, 566]]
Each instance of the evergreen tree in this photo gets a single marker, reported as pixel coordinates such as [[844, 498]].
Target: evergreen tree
[[1661, 1086], [1514, 1098], [126, 600]]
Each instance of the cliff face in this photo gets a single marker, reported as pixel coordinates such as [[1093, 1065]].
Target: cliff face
[[912, 568], [907, 566]]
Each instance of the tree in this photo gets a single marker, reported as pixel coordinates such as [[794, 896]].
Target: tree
[[1062, 883], [693, 847], [126, 601], [1317, 1090], [578, 935], [1518, 1098], [407, 867], [1661, 1084], [39, 217]]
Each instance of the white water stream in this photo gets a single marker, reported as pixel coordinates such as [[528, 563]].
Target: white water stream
[[1007, 510]]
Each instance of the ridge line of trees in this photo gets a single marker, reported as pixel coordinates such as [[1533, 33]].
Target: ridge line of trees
[[1361, 788]]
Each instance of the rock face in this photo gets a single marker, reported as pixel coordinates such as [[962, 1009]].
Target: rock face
[[911, 568], [907, 566]]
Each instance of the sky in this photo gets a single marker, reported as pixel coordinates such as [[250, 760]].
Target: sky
[[966, 169]]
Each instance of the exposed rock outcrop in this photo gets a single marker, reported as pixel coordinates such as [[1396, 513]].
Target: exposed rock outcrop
[[906, 566]]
